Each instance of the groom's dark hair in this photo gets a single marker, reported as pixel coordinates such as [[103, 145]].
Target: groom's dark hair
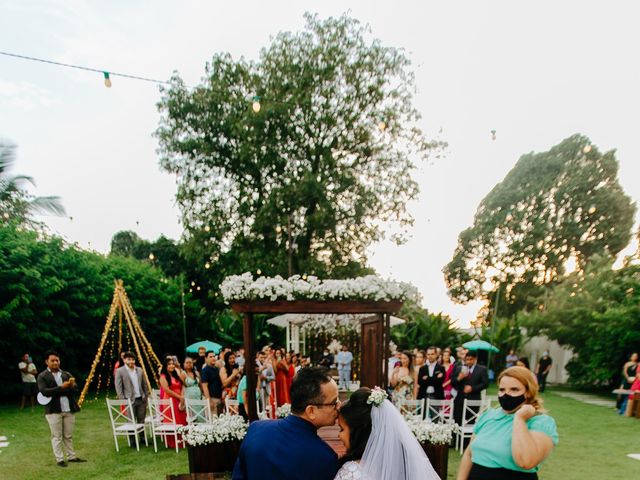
[[305, 388]]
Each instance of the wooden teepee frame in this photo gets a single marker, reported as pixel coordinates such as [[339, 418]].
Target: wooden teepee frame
[[121, 306]]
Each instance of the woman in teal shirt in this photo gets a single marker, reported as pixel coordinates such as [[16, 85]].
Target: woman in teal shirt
[[511, 442]]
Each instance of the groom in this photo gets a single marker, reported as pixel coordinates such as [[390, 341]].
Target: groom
[[290, 449]]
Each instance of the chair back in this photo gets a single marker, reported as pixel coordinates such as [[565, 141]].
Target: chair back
[[155, 393], [440, 411], [411, 407], [232, 406], [162, 411], [120, 412], [198, 411], [472, 409]]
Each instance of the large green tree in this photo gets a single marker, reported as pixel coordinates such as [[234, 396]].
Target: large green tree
[[53, 295], [596, 313], [306, 183], [552, 208]]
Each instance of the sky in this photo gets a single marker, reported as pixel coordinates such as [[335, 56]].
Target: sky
[[536, 73]]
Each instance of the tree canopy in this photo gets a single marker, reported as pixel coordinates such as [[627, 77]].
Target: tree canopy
[[552, 209], [309, 178], [596, 313]]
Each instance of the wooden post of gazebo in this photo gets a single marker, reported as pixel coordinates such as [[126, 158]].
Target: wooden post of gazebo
[[374, 341]]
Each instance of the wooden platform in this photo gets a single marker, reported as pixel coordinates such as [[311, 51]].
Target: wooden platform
[[330, 435]]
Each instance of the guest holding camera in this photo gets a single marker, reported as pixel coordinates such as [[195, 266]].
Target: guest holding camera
[[59, 387]]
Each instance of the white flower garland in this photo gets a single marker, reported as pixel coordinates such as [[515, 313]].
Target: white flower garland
[[370, 287], [377, 396], [426, 431], [283, 410], [223, 428]]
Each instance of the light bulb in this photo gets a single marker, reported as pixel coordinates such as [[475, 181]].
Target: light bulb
[[5, 215], [193, 284], [152, 257], [586, 149], [493, 134], [259, 272], [198, 288], [256, 104], [207, 228], [107, 80], [382, 126], [592, 210], [278, 229], [207, 265]]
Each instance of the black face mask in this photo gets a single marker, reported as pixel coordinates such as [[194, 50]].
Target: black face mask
[[509, 402]]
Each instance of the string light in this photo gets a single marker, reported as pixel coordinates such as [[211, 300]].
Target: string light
[[207, 265], [207, 228], [6, 215], [256, 104], [193, 284], [152, 257], [107, 74], [259, 272], [493, 134], [586, 149]]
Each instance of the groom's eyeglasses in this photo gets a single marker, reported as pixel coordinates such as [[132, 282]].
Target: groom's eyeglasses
[[333, 404]]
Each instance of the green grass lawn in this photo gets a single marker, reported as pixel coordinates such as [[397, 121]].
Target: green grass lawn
[[594, 442]]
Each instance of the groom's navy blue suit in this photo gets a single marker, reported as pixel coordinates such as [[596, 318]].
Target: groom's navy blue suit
[[287, 449]]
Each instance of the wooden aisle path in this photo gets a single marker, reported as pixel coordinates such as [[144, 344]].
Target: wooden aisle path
[[330, 435]]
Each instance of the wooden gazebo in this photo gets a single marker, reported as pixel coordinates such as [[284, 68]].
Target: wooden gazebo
[[374, 339]]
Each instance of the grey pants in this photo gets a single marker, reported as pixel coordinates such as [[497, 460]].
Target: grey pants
[[61, 426]]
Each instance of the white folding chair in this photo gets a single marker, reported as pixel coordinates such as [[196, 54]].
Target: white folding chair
[[155, 393], [124, 423], [411, 407], [232, 406], [163, 421], [198, 411], [439, 411], [471, 410]]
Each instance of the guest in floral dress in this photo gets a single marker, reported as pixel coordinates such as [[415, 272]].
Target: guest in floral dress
[[402, 379]]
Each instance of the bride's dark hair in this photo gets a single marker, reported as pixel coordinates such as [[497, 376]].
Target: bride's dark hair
[[357, 415]]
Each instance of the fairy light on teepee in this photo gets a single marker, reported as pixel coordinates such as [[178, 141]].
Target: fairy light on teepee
[[121, 317]]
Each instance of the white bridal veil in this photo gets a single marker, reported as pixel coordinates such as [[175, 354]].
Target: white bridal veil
[[392, 451]]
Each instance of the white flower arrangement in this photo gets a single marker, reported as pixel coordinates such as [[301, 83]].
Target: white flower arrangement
[[283, 410], [223, 428], [377, 396], [370, 287], [426, 431]]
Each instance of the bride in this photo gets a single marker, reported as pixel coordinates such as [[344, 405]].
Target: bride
[[379, 444]]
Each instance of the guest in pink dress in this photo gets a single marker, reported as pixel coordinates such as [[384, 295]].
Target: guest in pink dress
[[172, 387], [448, 372]]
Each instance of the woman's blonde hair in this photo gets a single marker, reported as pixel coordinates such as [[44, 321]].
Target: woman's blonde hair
[[526, 378]]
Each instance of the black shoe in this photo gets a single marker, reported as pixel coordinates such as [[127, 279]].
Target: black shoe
[[62, 464], [76, 460]]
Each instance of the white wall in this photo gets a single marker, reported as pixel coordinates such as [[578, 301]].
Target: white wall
[[535, 346]]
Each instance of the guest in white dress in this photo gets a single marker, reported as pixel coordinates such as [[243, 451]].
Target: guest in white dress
[[379, 443]]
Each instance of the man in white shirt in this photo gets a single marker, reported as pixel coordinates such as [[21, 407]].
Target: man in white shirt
[[131, 383], [344, 359], [60, 387], [29, 386]]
